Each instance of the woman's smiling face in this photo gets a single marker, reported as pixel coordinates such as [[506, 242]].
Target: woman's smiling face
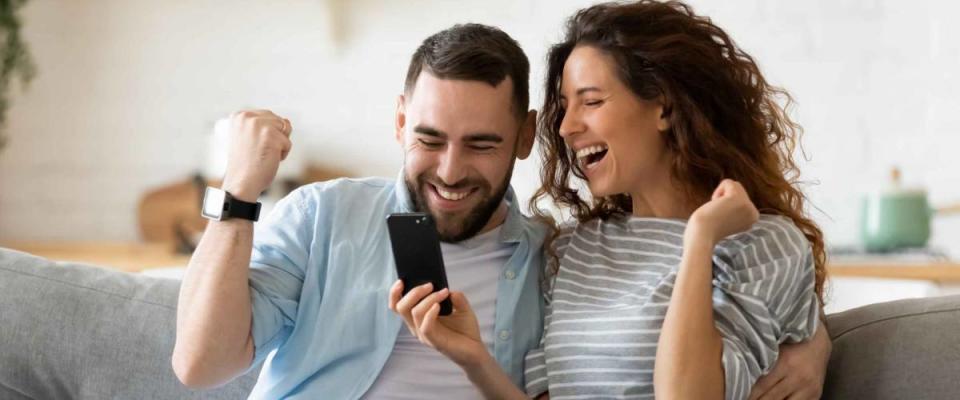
[[617, 136]]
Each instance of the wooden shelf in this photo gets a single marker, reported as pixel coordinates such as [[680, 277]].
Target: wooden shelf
[[129, 257], [942, 272]]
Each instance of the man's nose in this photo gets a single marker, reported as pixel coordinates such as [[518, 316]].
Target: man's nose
[[452, 168]]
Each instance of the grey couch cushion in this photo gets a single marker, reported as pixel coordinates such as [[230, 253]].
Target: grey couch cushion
[[74, 331], [907, 349]]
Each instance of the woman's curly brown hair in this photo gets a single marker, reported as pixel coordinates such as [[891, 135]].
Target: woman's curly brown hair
[[725, 119]]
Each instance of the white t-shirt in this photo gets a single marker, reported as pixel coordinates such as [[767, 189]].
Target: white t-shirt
[[416, 371]]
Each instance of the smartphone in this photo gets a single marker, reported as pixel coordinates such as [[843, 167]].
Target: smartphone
[[416, 252]]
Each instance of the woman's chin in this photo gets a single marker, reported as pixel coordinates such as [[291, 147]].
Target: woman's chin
[[599, 189]]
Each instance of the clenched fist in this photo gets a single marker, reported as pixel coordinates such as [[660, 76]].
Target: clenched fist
[[728, 212], [259, 140]]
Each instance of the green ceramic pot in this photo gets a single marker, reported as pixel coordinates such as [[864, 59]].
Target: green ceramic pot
[[895, 219]]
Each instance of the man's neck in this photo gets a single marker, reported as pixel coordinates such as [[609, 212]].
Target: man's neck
[[497, 219]]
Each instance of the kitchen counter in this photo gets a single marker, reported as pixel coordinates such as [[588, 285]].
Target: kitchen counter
[[940, 272]]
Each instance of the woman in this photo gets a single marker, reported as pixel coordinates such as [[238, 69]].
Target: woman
[[670, 282]]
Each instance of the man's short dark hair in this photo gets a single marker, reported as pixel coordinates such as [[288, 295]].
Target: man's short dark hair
[[473, 52]]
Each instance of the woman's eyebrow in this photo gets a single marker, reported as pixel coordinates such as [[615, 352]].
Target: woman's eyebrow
[[587, 89], [583, 90]]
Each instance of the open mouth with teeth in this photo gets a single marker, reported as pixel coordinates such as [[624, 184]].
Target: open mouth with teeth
[[450, 195], [590, 156]]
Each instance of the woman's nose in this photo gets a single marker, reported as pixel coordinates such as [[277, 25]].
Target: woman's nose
[[571, 124]]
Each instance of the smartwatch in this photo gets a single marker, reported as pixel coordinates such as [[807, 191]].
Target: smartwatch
[[219, 205]]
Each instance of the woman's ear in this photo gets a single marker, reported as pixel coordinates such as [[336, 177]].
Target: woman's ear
[[663, 123]]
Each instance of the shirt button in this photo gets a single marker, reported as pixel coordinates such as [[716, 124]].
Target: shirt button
[[504, 334], [510, 274]]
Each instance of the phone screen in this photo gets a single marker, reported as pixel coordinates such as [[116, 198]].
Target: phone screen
[[416, 252]]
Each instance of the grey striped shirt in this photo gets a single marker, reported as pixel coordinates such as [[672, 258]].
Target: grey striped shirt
[[608, 300]]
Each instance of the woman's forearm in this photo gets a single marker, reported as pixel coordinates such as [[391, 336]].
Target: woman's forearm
[[487, 376], [689, 352]]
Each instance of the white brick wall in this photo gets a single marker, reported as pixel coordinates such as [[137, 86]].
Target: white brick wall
[[128, 89]]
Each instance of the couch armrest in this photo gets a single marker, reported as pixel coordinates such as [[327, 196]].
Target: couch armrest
[[905, 349], [77, 331]]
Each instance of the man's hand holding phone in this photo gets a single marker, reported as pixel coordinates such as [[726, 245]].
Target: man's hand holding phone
[[456, 336]]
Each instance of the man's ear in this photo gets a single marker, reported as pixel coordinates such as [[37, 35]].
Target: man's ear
[[528, 134], [400, 120]]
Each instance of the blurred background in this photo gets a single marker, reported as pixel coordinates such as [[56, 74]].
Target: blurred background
[[113, 136]]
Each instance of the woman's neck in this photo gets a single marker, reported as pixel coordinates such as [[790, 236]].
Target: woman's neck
[[660, 197]]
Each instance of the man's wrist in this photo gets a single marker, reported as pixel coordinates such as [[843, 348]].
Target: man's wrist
[[236, 224], [479, 363], [241, 193], [487, 375]]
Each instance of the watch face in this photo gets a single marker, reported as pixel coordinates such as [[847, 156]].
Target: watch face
[[213, 203]]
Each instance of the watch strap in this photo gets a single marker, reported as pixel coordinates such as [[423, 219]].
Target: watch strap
[[242, 209]]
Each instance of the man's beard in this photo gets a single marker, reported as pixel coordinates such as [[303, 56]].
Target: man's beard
[[475, 219]]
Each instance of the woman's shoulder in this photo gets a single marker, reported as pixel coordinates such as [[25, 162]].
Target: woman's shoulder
[[587, 228], [561, 238], [773, 237], [626, 225], [572, 228], [567, 228]]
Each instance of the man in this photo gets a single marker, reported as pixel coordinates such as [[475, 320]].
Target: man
[[314, 290], [309, 296]]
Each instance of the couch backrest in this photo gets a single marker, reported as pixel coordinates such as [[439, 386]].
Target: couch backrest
[[906, 349], [71, 331]]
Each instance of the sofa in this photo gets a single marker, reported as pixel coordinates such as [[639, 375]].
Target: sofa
[[72, 331]]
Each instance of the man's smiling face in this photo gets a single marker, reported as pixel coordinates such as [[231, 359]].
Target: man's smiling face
[[460, 141]]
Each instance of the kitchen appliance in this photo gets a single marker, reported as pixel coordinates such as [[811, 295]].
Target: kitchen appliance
[[897, 217]]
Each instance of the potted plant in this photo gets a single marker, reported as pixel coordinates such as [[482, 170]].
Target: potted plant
[[15, 60]]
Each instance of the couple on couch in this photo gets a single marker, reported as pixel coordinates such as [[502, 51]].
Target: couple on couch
[[689, 269]]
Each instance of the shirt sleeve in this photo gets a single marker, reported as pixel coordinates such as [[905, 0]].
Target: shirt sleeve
[[763, 296], [277, 269], [535, 363]]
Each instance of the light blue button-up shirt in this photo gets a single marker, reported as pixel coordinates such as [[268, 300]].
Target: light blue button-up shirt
[[320, 274]]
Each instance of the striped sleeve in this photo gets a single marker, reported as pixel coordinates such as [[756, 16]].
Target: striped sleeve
[[763, 297], [535, 364]]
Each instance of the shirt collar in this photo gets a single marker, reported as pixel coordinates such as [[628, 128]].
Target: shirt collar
[[512, 229]]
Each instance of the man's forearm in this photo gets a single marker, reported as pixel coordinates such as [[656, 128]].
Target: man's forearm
[[493, 382], [689, 349], [214, 312]]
